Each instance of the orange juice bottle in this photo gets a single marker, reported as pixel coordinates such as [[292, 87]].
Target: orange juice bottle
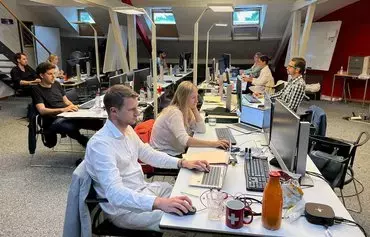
[[272, 203]]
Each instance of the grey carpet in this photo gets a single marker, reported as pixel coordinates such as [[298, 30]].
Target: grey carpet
[[33, 199]]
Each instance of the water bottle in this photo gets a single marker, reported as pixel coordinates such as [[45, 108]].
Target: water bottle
[[78, 72], [149, 94], [97, 105], [142, 94], [341, 70], [272, 202], [88, 68], [171, 70]]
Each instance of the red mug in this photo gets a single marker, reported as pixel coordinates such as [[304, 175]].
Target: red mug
[[235, 212]]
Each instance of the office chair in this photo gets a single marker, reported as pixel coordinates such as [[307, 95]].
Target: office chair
[[35, 130], [91, 87], [105, 227], [345, 149], [143, 130]]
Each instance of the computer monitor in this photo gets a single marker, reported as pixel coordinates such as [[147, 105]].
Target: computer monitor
[[221, 65], [187, 57], [140, 78], [227, 60], [117, 79], [71, 66], [267, 117], [289, 139], [181, 61], [239, 91]]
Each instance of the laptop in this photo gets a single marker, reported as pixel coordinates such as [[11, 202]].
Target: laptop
[[214, 178]]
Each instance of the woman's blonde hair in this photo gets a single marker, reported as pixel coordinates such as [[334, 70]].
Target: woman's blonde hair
[[52, 57], [180, 100]]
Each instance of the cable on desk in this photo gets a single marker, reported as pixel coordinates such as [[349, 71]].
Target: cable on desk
[[341, 220], [318, 176]]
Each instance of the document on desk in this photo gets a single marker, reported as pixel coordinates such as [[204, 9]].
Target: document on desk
[[212, 99], [213, 157]]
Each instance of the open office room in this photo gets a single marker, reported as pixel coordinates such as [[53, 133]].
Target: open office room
[[226, 87]]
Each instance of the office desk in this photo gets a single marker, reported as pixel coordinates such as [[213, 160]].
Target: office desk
[[345, 77], [235, 184]]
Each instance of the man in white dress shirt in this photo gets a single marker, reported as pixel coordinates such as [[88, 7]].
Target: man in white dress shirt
[[264, 81], [112, 161]]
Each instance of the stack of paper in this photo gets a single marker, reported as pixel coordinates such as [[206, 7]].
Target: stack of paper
[[213, 157]]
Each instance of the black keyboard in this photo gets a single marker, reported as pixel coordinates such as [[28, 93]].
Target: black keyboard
[[251, 99], [256, 171], [225, 134]]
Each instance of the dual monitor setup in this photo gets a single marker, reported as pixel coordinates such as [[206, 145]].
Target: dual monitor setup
[[285, 133], [139, 77], [220, 67]]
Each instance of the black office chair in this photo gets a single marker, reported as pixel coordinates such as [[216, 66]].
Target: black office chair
[[344, 167], [91, 87], [105, 227]]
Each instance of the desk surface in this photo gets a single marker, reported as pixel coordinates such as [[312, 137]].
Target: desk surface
[[169, 80], [235, 184]]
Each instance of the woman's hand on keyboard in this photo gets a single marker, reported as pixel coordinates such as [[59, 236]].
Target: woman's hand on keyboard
[[223, 144], [201, 165]]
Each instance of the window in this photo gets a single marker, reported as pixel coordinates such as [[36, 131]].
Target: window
[[163, 17], [244, 16], [84, 16]]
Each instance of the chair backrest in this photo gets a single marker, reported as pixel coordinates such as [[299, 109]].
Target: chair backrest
[[333, 147], [77, 220], [72, 95], [144, 130], [318, 119]]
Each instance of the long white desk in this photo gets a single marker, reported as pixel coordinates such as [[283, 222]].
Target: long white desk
[[102, 114], [169, 80], [235, 184]]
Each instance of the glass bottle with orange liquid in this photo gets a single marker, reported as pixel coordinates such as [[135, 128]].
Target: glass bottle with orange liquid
[[272, 203]]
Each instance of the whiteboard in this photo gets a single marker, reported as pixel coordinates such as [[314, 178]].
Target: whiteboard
[[321, 45], [50, 37], [112, 60]]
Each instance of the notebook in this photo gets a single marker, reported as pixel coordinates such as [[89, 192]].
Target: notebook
[[213, 157]]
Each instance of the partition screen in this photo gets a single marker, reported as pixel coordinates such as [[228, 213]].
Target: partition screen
[[50, 37]]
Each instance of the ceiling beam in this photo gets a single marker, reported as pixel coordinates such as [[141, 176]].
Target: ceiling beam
[[299, 4], [284, 41]]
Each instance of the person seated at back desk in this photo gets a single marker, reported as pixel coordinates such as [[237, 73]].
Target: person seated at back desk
[[174, 126], [112, 162], [264, 81], [53, 59], [294, 91], [161, 59], [51, 100], [22, 75], [254, 71]]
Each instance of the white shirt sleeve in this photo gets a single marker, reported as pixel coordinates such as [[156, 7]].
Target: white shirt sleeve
[[105, 168], [175, 123], [199, 127], [152, 157], [263, 78]]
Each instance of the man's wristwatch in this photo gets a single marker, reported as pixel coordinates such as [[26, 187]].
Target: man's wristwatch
[[179, 164]]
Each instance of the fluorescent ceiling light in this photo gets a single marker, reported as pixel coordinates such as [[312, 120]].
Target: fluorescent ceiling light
[[225, 8], [221, 24], [128, 10]]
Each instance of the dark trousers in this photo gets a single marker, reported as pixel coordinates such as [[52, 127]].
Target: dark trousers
[[71, 127]]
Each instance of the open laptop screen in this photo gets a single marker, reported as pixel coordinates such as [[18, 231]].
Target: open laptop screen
[[251, 116]]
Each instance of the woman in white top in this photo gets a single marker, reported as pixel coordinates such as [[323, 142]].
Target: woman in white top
[[264, 81], [53, 59], [174, 126]]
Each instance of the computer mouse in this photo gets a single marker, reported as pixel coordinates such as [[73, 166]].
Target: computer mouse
[[261, 106], [220, 147], [274, 162], [192, 211]]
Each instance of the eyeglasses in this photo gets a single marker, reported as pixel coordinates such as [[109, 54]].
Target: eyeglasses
[[291, 66]]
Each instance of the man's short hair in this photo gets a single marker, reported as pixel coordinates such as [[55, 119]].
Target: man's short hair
[[300, 63], [115, 96], [265, 58], [44, 67], [159, 52], [19, 55]]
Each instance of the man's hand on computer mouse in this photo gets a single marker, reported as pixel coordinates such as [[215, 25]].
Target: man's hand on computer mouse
[[179, 205], [201, 165]]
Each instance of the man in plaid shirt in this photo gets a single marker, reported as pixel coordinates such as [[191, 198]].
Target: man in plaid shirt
[[294, 91]]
